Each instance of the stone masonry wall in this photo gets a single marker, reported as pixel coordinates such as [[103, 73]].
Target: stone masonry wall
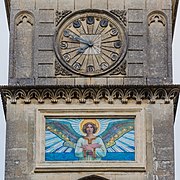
[[22, 142], [148, 59]]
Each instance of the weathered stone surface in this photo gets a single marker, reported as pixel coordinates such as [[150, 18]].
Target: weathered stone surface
[[114, 4], [158, 4], [156, 81], [81, 4], [135, 29], [66, 4], [45, 56], [46, 29], [115, 81], [136, 56], [103, 4], [66, 81], [46, 70], [45, 81], [136, 43], [135, 15], [135, 81], [46, 16], [140, 4], [46, 4], [90, 81], [19, 4], [22, 81], [148, 62], [135, 69], [159, 156], [45, 43]]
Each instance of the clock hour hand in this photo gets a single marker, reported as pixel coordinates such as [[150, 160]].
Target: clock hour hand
[[82, 49]]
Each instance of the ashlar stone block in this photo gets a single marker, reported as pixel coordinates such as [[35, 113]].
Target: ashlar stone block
[[135, 69], [90, 81], [45, 81], [103, 4], [66, 4], [135, 15], [46, 16], [81, 4], [138, 4], [136, 56], [46, 4], [135, 29], [45, 43], [46, 70], [115, 4], [46, 29], [136, 43], [23, 4], [159, 4], [65, 81], [45, 56], [115, 81], [134, 81]]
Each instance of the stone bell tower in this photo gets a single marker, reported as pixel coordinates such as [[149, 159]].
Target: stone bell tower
[[90, 92]]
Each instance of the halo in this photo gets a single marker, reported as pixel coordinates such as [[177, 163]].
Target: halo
[[93, 121]]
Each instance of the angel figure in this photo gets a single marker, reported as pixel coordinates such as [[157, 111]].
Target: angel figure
[[73, 139], [90, 147]]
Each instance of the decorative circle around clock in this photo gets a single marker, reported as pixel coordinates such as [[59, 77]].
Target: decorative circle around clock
[[90, 42]]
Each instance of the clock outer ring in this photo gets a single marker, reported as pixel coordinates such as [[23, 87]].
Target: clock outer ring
[[66, 65]]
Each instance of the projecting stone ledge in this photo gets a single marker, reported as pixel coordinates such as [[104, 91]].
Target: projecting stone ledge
[[109, 94]]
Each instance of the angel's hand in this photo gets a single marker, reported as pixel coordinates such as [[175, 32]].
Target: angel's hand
[[87, 148], [96, 145]]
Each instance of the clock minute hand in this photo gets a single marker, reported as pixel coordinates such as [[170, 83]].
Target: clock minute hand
[[77, 38]]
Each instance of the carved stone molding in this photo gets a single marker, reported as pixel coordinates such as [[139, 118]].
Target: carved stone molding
[[23, 41], [157, 17], [60, 70], [101, 60], [121, 14], [124, 94], [60, 15], [24, 15], [121, 69]]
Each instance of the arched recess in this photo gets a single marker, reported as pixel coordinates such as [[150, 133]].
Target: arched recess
[[23, 45], [93, 177], [157, 44]]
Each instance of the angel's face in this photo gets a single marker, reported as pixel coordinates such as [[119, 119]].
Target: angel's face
[[89, 129]]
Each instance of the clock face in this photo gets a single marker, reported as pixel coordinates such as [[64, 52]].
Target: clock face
[[90, 42]]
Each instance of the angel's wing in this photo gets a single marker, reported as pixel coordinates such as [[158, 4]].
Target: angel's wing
[[119, 135], [60, 136]]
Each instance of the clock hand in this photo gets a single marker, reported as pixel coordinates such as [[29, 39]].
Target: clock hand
[[82, 49], [78, 38]]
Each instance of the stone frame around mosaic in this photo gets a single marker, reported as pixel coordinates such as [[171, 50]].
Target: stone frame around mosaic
[[139, 165]]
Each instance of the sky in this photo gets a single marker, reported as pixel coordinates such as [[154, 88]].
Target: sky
[[4, 46]]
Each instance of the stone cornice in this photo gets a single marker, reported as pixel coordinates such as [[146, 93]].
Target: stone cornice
[[109, 94], [95, 93]]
